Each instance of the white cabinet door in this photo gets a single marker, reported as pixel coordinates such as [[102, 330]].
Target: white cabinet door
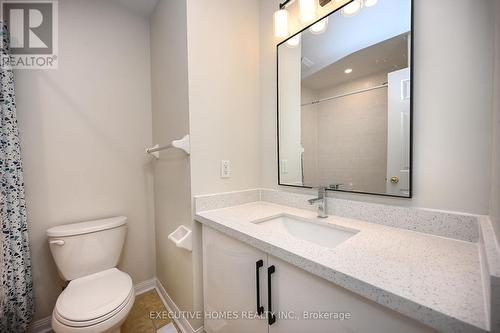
[[296, 292], [230, 284]]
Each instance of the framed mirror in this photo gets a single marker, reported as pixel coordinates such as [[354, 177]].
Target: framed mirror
[[345, 101]]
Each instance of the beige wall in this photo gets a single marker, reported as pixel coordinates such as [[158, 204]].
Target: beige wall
[[84, 129], [223, 51], [172, 182], [495, 183], [452, 127]]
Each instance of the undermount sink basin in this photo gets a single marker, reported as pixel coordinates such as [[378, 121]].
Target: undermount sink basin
[[317, 232]]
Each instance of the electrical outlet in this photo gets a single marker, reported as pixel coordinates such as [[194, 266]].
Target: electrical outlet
[[225, 169]]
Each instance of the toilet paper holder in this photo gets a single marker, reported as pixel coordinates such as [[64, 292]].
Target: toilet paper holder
[[182, 237]]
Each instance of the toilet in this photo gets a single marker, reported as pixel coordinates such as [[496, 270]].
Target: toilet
[[99, 296]]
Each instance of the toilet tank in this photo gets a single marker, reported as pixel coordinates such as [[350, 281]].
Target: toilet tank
[[85, 248]]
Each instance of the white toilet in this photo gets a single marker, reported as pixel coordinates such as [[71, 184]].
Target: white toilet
[[98, 297]]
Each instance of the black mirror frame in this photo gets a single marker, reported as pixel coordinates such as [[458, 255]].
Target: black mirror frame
[[412, 63]]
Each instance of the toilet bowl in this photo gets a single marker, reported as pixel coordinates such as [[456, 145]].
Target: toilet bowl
[[98, 297]]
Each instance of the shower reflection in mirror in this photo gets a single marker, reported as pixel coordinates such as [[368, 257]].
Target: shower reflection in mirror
[[344, 102]]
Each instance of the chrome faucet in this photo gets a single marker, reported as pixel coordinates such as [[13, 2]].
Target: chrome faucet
[[322, 203]]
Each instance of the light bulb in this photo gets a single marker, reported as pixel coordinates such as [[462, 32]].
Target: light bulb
[[281, 23], [353, 8], [370, 3], [294, 41], [348, 71], [320, 27], [307, 10]]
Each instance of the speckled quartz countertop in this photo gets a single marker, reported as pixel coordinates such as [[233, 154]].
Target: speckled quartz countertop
[[432, 279]]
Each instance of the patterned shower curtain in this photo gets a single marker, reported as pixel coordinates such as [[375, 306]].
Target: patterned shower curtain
[[16, 293]]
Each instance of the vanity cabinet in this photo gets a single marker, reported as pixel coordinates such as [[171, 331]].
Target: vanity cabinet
[[230, 284], [301, 302]]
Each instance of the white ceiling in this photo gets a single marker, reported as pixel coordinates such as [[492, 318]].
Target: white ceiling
[[140, 7], [346, 35], [384, 57]]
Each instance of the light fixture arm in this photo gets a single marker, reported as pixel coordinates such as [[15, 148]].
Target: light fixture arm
[[285, 3]]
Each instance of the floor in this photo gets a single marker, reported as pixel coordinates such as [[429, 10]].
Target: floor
[[139, 320]]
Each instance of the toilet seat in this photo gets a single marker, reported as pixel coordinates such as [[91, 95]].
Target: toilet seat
[[93, 299]]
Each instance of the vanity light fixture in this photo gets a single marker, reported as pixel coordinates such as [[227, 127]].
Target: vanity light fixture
[[370, 3], [307, 10], [307, 13], [281, 23], [320, 27], [294, 41], [348, 71], [353, 8]]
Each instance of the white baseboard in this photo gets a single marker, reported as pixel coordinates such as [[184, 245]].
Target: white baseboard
[[44, 325], [183, 323], [144, 286]]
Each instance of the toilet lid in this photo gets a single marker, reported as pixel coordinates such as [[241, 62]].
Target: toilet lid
[[90, 297]]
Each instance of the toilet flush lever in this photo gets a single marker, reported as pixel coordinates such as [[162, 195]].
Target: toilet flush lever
[[59, 242]]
